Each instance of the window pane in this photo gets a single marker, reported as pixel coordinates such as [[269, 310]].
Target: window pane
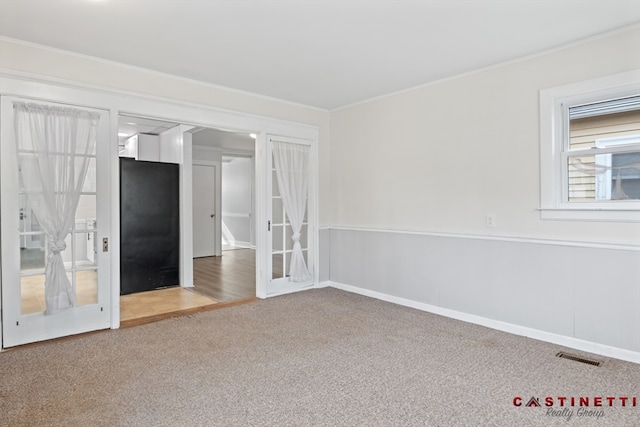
[[602, 177], [585, 132]]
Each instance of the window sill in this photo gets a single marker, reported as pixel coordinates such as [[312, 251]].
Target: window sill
[[590, 214]]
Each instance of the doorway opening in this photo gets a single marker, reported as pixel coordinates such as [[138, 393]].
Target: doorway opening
[[221, 275]]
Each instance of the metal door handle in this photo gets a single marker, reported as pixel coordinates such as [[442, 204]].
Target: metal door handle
[[212, 215]]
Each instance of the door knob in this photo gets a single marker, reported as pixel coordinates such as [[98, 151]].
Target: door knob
[[212, 215]]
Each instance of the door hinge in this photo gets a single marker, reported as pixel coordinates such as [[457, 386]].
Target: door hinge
[[105, 244], [268, 225]]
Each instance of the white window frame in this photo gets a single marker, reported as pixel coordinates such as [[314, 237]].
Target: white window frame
[[554, 129]]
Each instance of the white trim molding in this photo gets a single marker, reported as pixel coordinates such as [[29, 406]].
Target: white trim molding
[[537, 241], [578, 344]]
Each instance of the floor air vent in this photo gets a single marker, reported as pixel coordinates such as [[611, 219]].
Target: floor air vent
[[577, 358]]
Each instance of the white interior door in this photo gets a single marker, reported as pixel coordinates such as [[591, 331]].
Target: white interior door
[[279, 230], [204, 210], [24, 248]]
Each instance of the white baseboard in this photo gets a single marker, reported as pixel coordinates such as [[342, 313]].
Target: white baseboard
[[578, 344], [288, 289], [324, 284]]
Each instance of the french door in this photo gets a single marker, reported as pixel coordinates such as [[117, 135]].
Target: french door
[[280, 232], [25, 249]]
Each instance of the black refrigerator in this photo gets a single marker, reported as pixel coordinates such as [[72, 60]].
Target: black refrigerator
[[149, 225]]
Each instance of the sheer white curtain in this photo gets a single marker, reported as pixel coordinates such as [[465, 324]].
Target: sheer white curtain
[[292, 169], [54, 144]]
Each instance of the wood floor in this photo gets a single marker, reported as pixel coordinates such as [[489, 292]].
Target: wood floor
[[228, 277], [219, 282], [144, 307]]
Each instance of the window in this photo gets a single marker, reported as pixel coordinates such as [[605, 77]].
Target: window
[[590, 149]]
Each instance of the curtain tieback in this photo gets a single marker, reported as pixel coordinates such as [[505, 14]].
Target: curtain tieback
[[295, 237], [57, 246]]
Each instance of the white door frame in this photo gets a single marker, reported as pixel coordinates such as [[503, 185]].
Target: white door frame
[[123, 102]]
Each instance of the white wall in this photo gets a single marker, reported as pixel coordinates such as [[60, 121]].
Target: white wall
[[237, 200], [206, 154], [440, 157], [170, 145]]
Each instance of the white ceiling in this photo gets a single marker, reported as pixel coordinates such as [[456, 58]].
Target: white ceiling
[[325, 54]]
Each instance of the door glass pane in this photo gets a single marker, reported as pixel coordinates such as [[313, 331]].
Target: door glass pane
[[28, 220], [90, 180], [85, 250], [86, 211], [276, 241], [32, 294], [303, 237], [87, 287], [286, 259], [277, 210], [276, 268], [66, 254], [31, 258], [275, 191]]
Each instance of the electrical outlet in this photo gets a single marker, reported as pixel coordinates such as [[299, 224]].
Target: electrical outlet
[[491, 220]]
